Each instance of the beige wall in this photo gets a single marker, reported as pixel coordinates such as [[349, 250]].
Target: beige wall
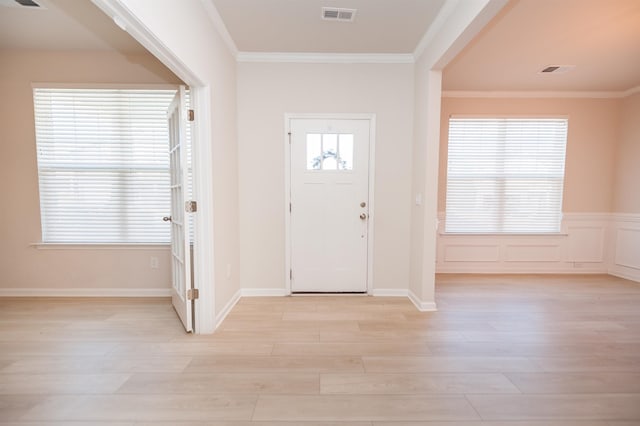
[[24, 266], [591, 144], [627, 178], [265, 93]]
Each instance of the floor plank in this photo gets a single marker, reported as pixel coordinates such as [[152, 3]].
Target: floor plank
[[360, 407], [502, 350]]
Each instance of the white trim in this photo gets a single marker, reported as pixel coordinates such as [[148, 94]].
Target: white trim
[[85, 292], [422, 306], [204, 253], [227, 308], [371, 117], [106, 86], [264, 292], [326, 58], [539, 94], [390, 292], [219, 25], [203, 159], [625, 217], [99, 246], [625, 274]]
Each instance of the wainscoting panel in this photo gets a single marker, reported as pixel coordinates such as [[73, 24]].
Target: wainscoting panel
[[471, 253], [586, 243], [626, 246], [533, 253], [580, 247]]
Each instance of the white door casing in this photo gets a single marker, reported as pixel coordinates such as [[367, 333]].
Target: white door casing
[[180, 239], [329, 218]]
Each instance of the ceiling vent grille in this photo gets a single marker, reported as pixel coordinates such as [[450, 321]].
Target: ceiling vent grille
[[556, 69], [338, 14], [27, 3]]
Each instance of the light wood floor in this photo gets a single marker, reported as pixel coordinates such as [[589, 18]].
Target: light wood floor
[[501, 351]]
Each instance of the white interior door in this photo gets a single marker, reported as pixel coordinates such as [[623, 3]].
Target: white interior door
[[329, 205], [180, 244]]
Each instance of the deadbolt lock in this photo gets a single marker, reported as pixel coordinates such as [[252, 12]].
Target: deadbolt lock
[[363, 216], [363, 204]]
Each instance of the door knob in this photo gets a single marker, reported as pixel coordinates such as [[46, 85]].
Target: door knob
[[167, 218], [363, 216]]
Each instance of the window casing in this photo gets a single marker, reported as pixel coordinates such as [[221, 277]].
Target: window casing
[[103, 165], [505, 175]]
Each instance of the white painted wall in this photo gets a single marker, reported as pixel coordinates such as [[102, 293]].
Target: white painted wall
[[266, 91]]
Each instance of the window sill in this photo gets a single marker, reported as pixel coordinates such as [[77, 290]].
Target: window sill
[[480, 234], [100, 246]]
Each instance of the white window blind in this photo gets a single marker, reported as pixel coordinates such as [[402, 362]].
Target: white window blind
[[505, 175], [103, 165]]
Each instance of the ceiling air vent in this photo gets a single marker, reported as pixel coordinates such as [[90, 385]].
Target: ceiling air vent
[[338, 14], [28, 3], [556, 69]]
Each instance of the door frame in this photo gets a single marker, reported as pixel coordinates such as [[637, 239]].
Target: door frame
[[201, 136], [371, 117]]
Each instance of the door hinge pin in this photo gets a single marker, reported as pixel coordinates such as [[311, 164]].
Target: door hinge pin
[[191, 115], [193, 294]]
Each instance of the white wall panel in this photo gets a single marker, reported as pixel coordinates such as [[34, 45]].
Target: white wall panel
[[471, 253], [586, 243], [532, 253]]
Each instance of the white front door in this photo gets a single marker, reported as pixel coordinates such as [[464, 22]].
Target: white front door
[[180, 244], [329, 204]]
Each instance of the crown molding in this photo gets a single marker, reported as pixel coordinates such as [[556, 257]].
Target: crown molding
[[219, 25], [539, 94], [326, 58]]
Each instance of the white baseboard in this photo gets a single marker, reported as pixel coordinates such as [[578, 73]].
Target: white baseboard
[[627, 274], [263, 292], [390, 292], [228, 307], [422, 306], [85, 292]]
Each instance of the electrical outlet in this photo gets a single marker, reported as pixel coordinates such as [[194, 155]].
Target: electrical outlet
[[153, 262]]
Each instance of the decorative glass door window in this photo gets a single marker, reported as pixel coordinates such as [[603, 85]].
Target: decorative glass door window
[[329, 151]]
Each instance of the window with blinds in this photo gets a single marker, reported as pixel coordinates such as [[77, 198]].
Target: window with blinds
[[103, 165], [505, 175]]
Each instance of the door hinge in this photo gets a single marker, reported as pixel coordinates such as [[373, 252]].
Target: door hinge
[[191, 115], [193, 294], [191, 206], [289, 138], [289, 207], [290, 274]]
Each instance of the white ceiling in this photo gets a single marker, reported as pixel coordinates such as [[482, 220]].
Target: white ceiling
[[380, 26], [600, 37], [61, 25]]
